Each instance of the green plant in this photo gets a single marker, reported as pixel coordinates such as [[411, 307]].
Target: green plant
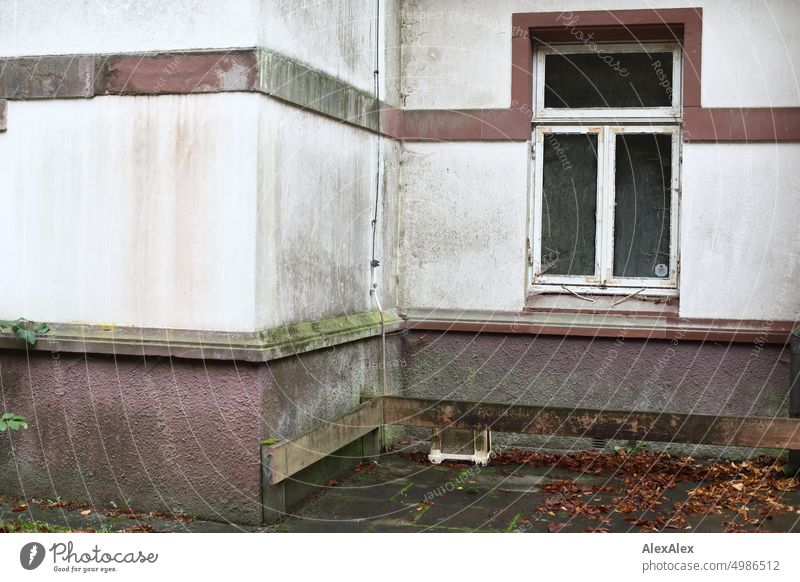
[[9, 420], [124, 504], [632, 447], [25, 526], [28, 331]]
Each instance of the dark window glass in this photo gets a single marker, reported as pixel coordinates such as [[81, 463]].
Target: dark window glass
[[569, 203], [642, 210], [608, 80]]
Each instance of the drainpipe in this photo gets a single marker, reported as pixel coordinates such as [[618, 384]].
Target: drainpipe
[[374, 262], [793, 465]]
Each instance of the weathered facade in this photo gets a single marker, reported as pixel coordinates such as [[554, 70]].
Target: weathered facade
[[199, 191]]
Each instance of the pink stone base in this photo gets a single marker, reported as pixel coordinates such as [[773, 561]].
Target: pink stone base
[[172, 436]]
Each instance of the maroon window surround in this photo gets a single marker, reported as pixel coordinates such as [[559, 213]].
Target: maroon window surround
[[684, 25]]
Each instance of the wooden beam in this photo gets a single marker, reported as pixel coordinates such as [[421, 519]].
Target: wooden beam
[[783, 433], [286, 458]]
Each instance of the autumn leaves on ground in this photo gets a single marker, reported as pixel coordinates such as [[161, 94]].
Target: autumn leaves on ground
[[520, 491], [754, 490]]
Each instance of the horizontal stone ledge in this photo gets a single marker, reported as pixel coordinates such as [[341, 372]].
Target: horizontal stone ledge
[[586, 323], [152, 73], [266, 345], [308, 88], [257, 346], [190, 72], [280, 77]]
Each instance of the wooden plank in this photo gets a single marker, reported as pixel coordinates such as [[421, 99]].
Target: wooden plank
[[286, 458], [783, 433]]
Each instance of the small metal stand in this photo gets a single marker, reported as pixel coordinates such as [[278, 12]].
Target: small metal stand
[[461, 445]]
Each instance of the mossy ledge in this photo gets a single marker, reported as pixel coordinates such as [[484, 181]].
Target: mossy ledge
[[256, 346]]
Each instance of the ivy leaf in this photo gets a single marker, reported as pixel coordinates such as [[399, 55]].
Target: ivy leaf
[[26, 334], [9, 420], [25, 330]]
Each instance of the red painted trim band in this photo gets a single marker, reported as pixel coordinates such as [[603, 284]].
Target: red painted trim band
[[746, 125], [678, 329], [188, 72], [680, 24]]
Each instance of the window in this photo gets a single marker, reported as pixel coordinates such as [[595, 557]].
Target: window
[[606, 147]]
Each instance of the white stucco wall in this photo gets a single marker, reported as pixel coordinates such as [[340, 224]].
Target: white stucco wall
[[239, 212], [337, 37], [739, 248], [463, 221], [96, 26], [316, 203], [458, 54], [177, 258], [131, 211], [740, 242]]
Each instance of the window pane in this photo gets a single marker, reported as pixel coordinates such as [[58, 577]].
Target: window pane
[[643, 201], [608, 80], [569, 203]]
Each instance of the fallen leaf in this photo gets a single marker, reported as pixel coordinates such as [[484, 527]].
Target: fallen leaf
[[86, 512], [789, 484]]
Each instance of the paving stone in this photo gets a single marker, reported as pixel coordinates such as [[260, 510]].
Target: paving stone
[[336, 508], [388, 497]]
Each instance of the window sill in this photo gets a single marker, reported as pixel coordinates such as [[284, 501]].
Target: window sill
[[640, 305], [609, 324]]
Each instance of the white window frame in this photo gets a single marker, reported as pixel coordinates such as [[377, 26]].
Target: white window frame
[[603, 280], [664, 113], [606, 123]]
